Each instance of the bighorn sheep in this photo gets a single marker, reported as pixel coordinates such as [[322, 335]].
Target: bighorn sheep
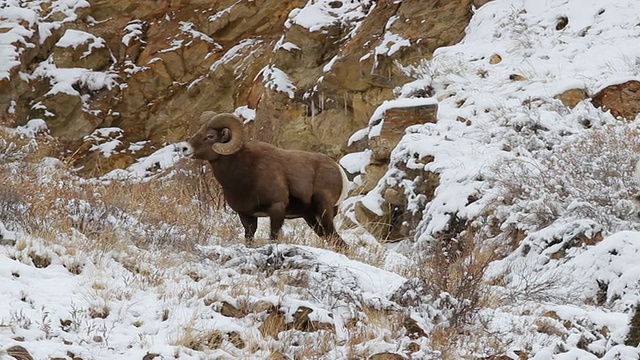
[[259, 179]]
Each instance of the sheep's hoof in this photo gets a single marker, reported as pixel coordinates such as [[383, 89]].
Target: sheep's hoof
[[338, 244]]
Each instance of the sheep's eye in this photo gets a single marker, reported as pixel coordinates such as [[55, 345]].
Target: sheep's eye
[[211, 137]]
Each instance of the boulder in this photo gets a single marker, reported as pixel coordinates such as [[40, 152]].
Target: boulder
[[65, 116], [395, 121], [623, 100], [572, 97], [387, 356], [396, 222]]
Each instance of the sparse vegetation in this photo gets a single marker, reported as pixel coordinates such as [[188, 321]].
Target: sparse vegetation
[[569, 181]]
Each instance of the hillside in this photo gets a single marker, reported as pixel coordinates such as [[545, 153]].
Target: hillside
[[491, 213], [151, 70]]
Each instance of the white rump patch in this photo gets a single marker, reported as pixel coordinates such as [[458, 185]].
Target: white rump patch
[[345, 185]]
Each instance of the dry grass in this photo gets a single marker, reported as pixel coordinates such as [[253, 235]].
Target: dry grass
[[164, 208], [14, 147], [199, 340], [373, 325], [449, 274]]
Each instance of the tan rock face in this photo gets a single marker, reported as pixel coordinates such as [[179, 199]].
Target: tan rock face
[[172, 60]]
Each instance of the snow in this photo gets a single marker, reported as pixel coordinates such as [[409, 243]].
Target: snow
[[278, 80], [15, 15], [551, 61], [162, 159], [12, 16], [235, 52], [6, 235], [134, 31], [189, 29], [51, 296], [63, 79], [246, 113], [221, 13], [353, 162], [74, 38], [288, 46], [371, 280], [320, 14], [493, 132], [391, 44], [105, 140], [32, 128], [612, 261]]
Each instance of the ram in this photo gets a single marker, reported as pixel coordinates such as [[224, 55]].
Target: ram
[[262, 180]]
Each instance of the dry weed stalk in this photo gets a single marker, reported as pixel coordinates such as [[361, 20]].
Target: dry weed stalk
[[450, 275], [455, 265]]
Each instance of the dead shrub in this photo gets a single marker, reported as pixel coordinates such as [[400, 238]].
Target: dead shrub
[[450, 270], [200, 340], [588, 178], [100, 312]]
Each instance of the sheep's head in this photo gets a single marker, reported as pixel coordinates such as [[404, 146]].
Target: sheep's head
[[220, 134]]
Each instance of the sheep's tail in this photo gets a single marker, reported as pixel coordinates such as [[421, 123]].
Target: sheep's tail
[[345, 185]]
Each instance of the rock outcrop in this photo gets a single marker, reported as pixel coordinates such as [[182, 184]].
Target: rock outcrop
[[149, 68], [623, 100], [393, 221]]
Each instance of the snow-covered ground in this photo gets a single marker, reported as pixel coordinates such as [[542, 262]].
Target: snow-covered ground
[[560, 176], [98, 306]]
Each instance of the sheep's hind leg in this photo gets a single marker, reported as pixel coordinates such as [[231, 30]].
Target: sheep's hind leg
[[326, 212], [276, 217]]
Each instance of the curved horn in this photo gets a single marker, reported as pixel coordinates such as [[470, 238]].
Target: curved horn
[[234, 124], [206, 116]]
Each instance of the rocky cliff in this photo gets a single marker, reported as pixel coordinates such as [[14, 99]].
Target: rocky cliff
[[307, 73]]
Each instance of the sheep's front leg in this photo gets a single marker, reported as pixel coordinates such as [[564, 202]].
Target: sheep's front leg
[[276, 217], [250, 224]]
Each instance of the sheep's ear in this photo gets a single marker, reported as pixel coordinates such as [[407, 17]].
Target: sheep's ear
[[225, 135]]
